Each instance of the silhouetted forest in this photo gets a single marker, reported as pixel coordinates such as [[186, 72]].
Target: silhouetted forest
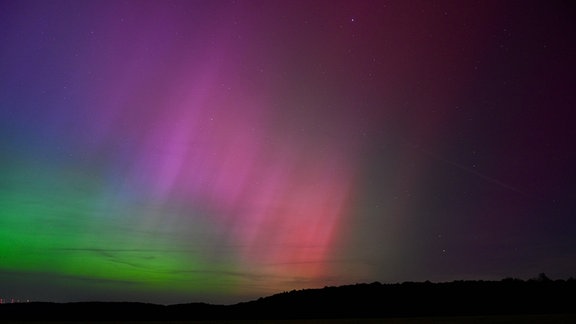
[[374, 300]]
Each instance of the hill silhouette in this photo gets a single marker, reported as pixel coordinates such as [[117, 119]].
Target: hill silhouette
[[375, 300]]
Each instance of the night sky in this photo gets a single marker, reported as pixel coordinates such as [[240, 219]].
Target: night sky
[[219, 151]]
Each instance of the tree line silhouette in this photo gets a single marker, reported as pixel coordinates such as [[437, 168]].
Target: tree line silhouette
[[509, 296]]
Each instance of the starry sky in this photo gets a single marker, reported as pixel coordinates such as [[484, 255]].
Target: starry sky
[[219, 151]]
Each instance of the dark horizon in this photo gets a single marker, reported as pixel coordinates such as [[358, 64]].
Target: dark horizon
[[508, 299], [540, 278]]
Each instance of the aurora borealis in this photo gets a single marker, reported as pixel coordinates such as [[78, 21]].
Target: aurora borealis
[[179, 151]]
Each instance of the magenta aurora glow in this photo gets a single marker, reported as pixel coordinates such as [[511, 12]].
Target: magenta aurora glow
[[179, 151]]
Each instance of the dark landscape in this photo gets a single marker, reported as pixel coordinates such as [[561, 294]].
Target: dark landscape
[[508, 300]]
